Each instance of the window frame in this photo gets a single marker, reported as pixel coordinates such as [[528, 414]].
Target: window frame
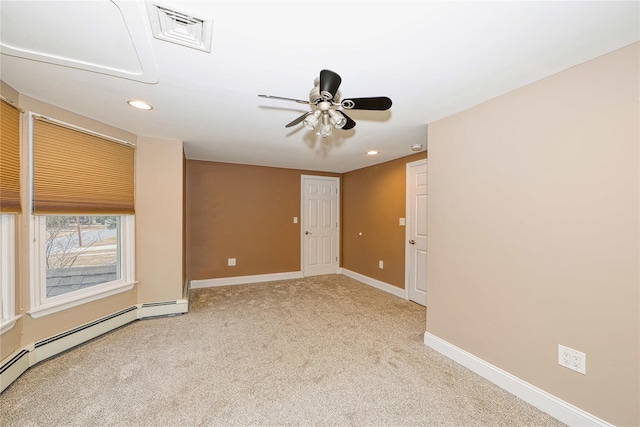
[[40, 305], [7, 272]]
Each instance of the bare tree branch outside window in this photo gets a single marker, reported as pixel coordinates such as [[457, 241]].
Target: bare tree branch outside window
[[81, 252], [66, 241]]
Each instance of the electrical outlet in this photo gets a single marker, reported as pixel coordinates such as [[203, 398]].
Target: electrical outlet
[[231, 262], [572, 359], [380, 264]]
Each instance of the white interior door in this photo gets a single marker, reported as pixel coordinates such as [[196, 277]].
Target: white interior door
[[319, 225], [416, 276]]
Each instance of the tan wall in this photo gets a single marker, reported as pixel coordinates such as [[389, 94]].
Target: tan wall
[[243, 212], [373, 201], [533, 233], [10, 340], [158, 268], [34, 329], [159, 177]]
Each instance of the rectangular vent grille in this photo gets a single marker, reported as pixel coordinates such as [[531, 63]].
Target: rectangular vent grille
[[180, 18], [180, 28]]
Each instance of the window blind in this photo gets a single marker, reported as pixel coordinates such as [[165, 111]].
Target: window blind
[[9, 158], [75, 172]]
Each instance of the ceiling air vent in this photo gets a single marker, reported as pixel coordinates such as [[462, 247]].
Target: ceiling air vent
[[180, 28]]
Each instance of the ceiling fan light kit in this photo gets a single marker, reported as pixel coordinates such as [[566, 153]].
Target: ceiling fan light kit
[[325, 101], [337, 119]]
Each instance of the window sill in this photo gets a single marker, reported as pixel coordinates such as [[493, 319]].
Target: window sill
[[69, 301], [8, 324]]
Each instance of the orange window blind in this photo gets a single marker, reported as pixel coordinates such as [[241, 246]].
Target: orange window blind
[[9, 159], [75, 172]]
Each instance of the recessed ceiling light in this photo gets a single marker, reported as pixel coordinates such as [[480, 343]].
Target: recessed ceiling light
[[140, 105], [372, 152]]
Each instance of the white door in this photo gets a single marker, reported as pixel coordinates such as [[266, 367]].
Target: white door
[[416, 245], [319, 225]]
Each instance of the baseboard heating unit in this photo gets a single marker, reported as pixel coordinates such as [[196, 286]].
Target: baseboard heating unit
[[24, 358]]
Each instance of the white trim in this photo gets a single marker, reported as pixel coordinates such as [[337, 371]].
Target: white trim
[[302, 220], [394, 290], [163, 308], [243, 280], [7, 324], [546, 402], [7, 272], [63, 341], [14, 366], [25, 357], [407, 227], [93, 294], [42, 306]]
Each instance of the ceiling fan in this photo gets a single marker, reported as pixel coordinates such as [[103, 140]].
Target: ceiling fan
[[324, 101]]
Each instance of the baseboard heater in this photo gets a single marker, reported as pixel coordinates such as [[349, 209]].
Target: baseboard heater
[[24, 358]]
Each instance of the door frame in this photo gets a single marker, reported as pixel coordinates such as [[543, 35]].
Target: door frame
[[303, 219], [407, 234]]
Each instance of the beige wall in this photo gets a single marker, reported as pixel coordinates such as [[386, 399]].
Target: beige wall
[[373, 201], [533, 233], [158, 269], [243, 212], [159, 176], [10, 340], [35, 329]]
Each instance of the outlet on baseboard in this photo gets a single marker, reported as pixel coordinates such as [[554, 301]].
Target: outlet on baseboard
[[572, 359], [380, 264], [231, 262]]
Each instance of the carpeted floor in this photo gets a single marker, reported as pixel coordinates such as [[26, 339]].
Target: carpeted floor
[[320, 351]]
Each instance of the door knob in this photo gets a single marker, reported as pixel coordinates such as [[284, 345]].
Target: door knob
[[307, 232], [413, 242]]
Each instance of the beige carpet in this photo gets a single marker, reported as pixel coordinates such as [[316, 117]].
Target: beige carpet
[[321, 351]]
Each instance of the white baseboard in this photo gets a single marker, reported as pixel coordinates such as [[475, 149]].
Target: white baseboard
[[557, 408], [242, 280], [12, 367], [162, 309], [25, 357], [58, 343], [394, 290]]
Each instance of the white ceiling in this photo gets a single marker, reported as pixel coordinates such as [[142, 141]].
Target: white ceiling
[[432, 59]]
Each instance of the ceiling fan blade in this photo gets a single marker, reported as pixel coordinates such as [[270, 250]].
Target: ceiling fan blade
[[299, 101], [374, 103], [298, 120], [350, 123], [329, 84]]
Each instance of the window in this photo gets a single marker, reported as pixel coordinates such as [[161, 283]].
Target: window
[[78, 259], [83, 223], [9, 159], [9, 206], [7, 269]]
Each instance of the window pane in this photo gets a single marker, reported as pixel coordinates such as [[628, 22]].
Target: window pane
[[7, 265], [81, 251]]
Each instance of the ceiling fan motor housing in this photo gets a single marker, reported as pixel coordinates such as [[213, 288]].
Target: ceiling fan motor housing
[[314, 95]]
